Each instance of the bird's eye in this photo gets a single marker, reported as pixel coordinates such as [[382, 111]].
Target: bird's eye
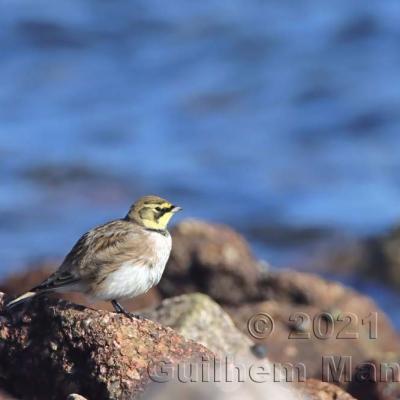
[[158, 209]]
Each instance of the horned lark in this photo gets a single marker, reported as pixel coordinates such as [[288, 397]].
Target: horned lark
[[120, 259]]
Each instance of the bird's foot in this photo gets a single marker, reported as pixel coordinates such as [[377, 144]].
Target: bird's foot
[[134, 316], [121, 310]]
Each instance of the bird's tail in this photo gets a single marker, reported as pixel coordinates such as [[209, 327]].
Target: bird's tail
[[20, 299]]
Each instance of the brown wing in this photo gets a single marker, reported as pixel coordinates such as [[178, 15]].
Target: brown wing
[[67, 274], [98, 252]]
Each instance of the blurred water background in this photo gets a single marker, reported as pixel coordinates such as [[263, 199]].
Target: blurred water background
[[280, 118]]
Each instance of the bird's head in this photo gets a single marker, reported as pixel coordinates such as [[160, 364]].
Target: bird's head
[[152, 212]]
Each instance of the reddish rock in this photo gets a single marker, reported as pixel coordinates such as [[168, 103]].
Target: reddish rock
[[382, 259], [212, 259], [374, 380], [5, 396], [317, 390], [54, 348], [215, 260], [198, 263], [376, 257], [332, 322]]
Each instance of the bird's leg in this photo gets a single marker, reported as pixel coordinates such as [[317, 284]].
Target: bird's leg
[[121, 310]]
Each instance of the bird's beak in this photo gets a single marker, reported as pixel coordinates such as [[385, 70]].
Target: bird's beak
[[176, 209]]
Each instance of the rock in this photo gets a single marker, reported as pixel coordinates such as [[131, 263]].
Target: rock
[[376, 381], [196, 316], [301, 305], [212, 259], [314, 319], [341, 257], [56, 348], [197, 390], [25, 280], [5, 396], [74, 396], [246, 389], [376, 257], [286, 296], [382, 259], [318, 390]]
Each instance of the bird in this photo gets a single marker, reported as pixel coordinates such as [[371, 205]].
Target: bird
[[119, 259]]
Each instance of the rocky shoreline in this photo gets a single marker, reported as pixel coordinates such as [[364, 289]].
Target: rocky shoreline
[[215, 304]]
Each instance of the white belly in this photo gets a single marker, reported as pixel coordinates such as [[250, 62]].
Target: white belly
[[132, 279]]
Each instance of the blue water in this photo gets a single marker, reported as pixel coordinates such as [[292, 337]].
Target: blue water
[[266, 115]]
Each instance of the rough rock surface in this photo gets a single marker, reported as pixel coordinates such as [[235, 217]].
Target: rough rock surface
[[212, 259], [317, 390], [312, 389], [199, 262], [373, 381], [327, 319], [216, 261], [196, 316], [74, 396], [56, 348], [5, 396]]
